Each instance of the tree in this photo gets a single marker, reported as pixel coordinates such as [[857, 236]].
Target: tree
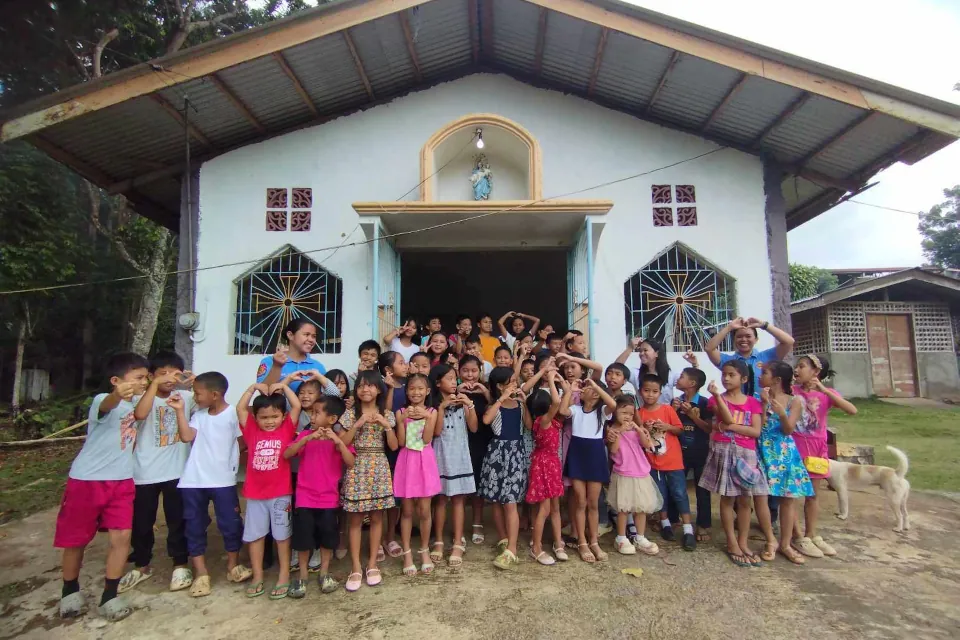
[[806, 281], [940, 229]]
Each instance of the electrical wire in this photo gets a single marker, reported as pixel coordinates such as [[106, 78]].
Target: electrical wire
[[358, 243]]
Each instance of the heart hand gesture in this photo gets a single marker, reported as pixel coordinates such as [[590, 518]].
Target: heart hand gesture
[[281, 355]]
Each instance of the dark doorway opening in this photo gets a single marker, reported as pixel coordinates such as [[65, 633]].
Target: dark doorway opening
[[450, 283]]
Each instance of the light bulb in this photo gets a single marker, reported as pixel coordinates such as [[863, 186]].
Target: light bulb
[[479, 143]]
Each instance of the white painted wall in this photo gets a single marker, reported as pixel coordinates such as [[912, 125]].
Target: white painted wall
[[367, 156]]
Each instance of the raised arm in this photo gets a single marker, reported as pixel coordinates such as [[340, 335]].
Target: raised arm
[[501, 323], [387, 339], [605, 397], [145, 405], [838, 401], [784, 339], [430, 428], [530, 384], [723, 411], [595, 367], [632, 345], [187, 433], [713, 344], [243, 405], [272, 376], [536, 323], [564, 410], [292, 401], [554, 399]]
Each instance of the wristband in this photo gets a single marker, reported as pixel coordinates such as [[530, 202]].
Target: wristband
[[765, 325]]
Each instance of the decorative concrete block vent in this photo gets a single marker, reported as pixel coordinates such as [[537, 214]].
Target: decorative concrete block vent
[[667, 200], [293, 204]]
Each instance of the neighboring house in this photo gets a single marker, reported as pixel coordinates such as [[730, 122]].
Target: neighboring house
[[889, 335], [304, 134]]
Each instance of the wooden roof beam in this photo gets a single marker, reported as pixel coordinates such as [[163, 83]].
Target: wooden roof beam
[[411, 46], [486, 28], [176, 115], [723, 103], [358, 64], [237, 102], [836, 138], [295, 81], [663, 80], [784, 115], [66, 158], [541, 40], [597, 61], [474, 33]]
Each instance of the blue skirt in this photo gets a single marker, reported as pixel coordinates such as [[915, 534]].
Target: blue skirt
[[587, 460]]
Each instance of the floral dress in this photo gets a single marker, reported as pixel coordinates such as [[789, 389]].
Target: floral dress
[[781, 462], [546, 479], [367, 485], [504, 474]]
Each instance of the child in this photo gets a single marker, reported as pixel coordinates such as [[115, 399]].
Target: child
[[402, 339], [811, 439], [434, 325], [158, 461], [472, 348], [617, 378], [324, 455], [575, 366], [666, 458], [267, 431], [100, 490], [517, 326], [732, 468], [503, 357], [553, 345], [574, 342], [211, 476], [504, 480], [488, 341], [367, 485], [368, 351], [393, 368], [782, 464], [464, 331], [545, 475], [419, 363], [340, 379], [527, 369], [696, 418], [587, 466], [477, 393], [417, 478], [459, 416], [632, 490], [436, 346]]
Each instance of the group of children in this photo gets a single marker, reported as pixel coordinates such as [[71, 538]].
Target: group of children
[[516, 421]]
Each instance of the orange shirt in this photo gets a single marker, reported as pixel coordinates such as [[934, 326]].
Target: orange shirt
[[670, 459], [488, 347]]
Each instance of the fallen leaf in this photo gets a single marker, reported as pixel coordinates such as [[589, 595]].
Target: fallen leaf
[[635, 572]]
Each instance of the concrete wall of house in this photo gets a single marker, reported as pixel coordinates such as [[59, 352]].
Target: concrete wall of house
[[939, 377], [853, 379], [374, 155]]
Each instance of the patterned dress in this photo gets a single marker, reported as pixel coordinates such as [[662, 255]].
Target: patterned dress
[[545, 473], [367, 485], [781, 463], [453, 454], [504, 476]]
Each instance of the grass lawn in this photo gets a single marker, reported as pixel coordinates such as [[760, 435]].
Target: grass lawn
[[33, 479], [929, 436]]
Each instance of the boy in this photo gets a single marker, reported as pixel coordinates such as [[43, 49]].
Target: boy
[[666, 459], [617, 377], [471, 346], [158, 462], [554, 344], [419, 363], [211, 475], [99, 492], [368, 352], [318, 490], [433, 326], [694, 442], [464, 331]]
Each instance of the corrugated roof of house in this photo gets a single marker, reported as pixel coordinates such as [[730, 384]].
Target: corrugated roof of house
[[930, 277]]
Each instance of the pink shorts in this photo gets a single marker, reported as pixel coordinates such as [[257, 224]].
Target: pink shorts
[[89, 506]]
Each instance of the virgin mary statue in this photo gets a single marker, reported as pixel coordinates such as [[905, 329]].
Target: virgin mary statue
[[481, 178]]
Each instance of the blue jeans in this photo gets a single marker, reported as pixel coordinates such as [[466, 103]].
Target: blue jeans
[[196, 515], [673, 488]]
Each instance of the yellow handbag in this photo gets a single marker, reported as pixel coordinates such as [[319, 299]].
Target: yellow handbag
[[819, 466]]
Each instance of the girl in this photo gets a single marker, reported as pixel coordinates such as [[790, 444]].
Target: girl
[[517, 326], [587, 466], [546, 476], [503, 357], [478, 440], [367, 488], [342, 381], [464, 331], [436, 346], [811, 439], [732, 469], [456, 416], [527, 368], [504, 479], [403, 339], [419, 363], [417, 478], [488, 341], [653, 359], [782, 464], [632, 491], [393, 368]]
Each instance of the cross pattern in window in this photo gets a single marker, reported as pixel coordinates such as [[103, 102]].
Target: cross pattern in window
[[291, 205], [674, 203]]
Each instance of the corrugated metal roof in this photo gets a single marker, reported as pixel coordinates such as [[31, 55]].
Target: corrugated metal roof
[[569, 50], [515, 27], [441, 35], [327, 73], [631, 70], [693, 89], [752, 109], [266, 91]]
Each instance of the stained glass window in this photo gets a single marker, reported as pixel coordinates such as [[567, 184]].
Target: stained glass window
[[680, 300], [290, 285]]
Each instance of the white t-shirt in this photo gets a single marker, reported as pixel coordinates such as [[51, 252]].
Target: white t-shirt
[[160, 455], [107, 453], [215, 455], [587, 425], [406, 352]]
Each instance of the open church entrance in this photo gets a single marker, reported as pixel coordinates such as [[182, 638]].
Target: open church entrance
[[449, 283]]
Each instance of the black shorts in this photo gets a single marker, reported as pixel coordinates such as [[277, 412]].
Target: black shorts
[[315, 528]]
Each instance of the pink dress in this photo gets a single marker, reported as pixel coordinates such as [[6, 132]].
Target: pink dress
[[416, 475], [810, 435], [545, 471]]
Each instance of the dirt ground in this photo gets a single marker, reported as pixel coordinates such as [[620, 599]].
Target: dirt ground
[[882, 585]]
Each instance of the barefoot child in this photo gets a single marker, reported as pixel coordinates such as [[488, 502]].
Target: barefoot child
[[323, 455], [268, 428], [211, 476], [100, 490]]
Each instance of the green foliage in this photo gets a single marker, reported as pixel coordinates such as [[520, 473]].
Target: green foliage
[[940, 229], [807, 281]]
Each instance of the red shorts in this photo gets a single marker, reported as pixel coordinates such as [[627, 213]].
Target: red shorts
[[89, 506]]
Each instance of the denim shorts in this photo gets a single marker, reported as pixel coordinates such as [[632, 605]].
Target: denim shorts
[[673, 488]]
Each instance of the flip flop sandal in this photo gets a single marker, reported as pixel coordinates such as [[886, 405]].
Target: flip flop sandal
[[239, 573], [73, 605], [115, 609], [587, 556], [767, 555], [255, 589], [394, 549], [502, 545], [791, 554], [298, 588], [703, 535], [437, 554], [201, 587], [381, 555], [477, 537], [131, 579], [280, 591], [181, 579], [561, 553], [412, 569], [455, 562], [426, 567], [543, 558], [738, 559], [374, 577], [353, 584], [598, 553], [753, 559]]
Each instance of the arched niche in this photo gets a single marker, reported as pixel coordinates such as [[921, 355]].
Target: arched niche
[[513, 153]]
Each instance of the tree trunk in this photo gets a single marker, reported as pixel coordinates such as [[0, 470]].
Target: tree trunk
[[151, 298], [18, 366]]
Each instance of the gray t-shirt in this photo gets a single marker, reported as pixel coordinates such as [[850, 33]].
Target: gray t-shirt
[[107, 453], [160, 456]]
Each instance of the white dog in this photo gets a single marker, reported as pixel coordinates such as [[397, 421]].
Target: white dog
[[893, 482]]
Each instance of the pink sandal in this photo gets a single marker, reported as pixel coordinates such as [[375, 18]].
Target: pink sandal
[[373, 577], [353, 584]]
